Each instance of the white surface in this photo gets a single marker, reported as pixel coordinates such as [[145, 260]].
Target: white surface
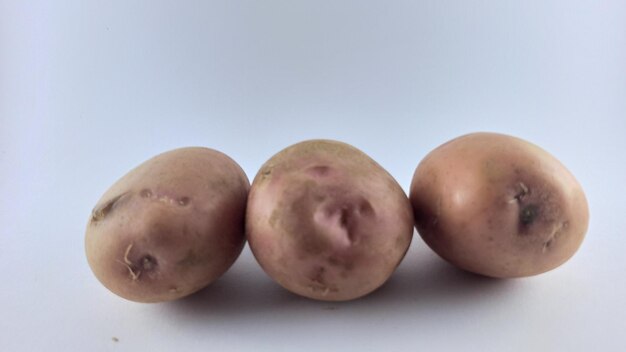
[[89, 89]]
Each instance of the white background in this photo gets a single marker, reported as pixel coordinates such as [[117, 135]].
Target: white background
[[89, 89]]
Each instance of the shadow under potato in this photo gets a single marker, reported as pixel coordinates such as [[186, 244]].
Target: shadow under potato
[[423, 281], [433, 281]]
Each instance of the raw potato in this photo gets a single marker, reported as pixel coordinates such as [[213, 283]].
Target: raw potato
[[498, 206], [326, 221], [170, 226]]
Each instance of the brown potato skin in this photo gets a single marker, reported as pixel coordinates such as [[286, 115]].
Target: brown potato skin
[[498, 206], [170, 226], [326, 221]]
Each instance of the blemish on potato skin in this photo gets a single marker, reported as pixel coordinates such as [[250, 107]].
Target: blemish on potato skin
[[183, 201], [319, 170], [319, 283], [546, 245], [266, 172], [146, 264], [539, 205], [540, 212], [274, 217], [521, 194], [149, 194], [557, 231], [191, 259], [538, 218], [365, 208], [99, 213], [346, 263], [528, 214], [318, 277], [400, 243]]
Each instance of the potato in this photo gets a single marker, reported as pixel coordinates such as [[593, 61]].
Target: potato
[[498, 206], [170, 226], [326, 221]]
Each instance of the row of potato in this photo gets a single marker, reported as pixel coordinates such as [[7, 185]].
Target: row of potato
[[327, 222]]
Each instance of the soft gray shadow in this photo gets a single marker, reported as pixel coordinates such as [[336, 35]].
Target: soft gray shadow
[[244, 290], [422, 281], [430, 281]]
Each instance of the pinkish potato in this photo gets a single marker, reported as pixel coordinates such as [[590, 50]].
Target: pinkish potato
[[326, 221], [498, 206], [170, 226]]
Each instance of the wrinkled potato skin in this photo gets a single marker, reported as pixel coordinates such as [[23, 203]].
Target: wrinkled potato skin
[[326, 221], [170, 226], [498, 206]]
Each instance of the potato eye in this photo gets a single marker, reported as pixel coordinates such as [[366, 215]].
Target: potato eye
[[148, 262], [528, 214]]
